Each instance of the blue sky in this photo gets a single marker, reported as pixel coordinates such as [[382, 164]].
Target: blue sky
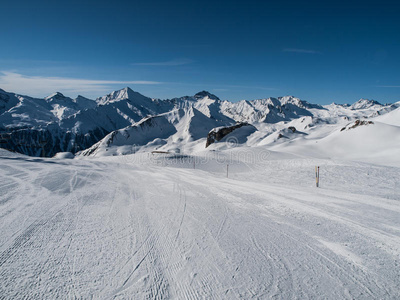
[[320, 51]]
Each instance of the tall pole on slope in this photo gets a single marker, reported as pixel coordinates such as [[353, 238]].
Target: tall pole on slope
[[43, 143], [318, 176]]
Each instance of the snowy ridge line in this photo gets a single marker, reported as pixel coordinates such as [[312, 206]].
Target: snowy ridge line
[[44, 127]]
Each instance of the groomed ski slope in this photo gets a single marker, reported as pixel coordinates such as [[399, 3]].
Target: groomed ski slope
[[151, 227]]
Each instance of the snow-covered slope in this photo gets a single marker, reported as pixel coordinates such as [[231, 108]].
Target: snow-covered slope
[[125, 140], [165, 132], [360, 140], [391, 118], [163, 226]]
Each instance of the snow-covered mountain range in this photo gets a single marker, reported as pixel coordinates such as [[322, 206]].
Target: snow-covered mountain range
[[125, 121]]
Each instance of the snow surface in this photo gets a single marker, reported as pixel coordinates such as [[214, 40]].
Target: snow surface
[[170, 226], [391, 118]]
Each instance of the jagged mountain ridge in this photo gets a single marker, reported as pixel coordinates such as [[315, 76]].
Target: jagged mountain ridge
[[57, 123]]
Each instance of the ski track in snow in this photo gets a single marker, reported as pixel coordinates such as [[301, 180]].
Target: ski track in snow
[[110, 230]]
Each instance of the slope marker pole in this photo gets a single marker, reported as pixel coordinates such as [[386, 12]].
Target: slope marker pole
[[317, 176]]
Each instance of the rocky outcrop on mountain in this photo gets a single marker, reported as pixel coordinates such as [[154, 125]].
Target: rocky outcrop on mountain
[[289, 133], [356, 124], [218, 134]]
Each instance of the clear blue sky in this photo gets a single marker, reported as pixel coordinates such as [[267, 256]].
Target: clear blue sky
[[320, 51]]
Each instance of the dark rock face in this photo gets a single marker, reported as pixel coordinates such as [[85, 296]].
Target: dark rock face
[[222, 132], [281, 136], [202, 94], [293, 129], [356, 124], [46, 143]]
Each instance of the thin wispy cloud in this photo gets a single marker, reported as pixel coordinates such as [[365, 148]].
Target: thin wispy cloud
[[296, 50], [33, 61], [40, 86], [388, 86], [194, 46], [251, 87], [224, 86], [174, 62]]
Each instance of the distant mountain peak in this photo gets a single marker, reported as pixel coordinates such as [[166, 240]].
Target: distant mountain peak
[[128, 90], [288, 98], [126, 93], [122, 94], [203, 94], [364, 104], [56, 95]]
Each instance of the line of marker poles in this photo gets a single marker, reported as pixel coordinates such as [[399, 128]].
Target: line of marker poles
[[227, 172], [317, 176]]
